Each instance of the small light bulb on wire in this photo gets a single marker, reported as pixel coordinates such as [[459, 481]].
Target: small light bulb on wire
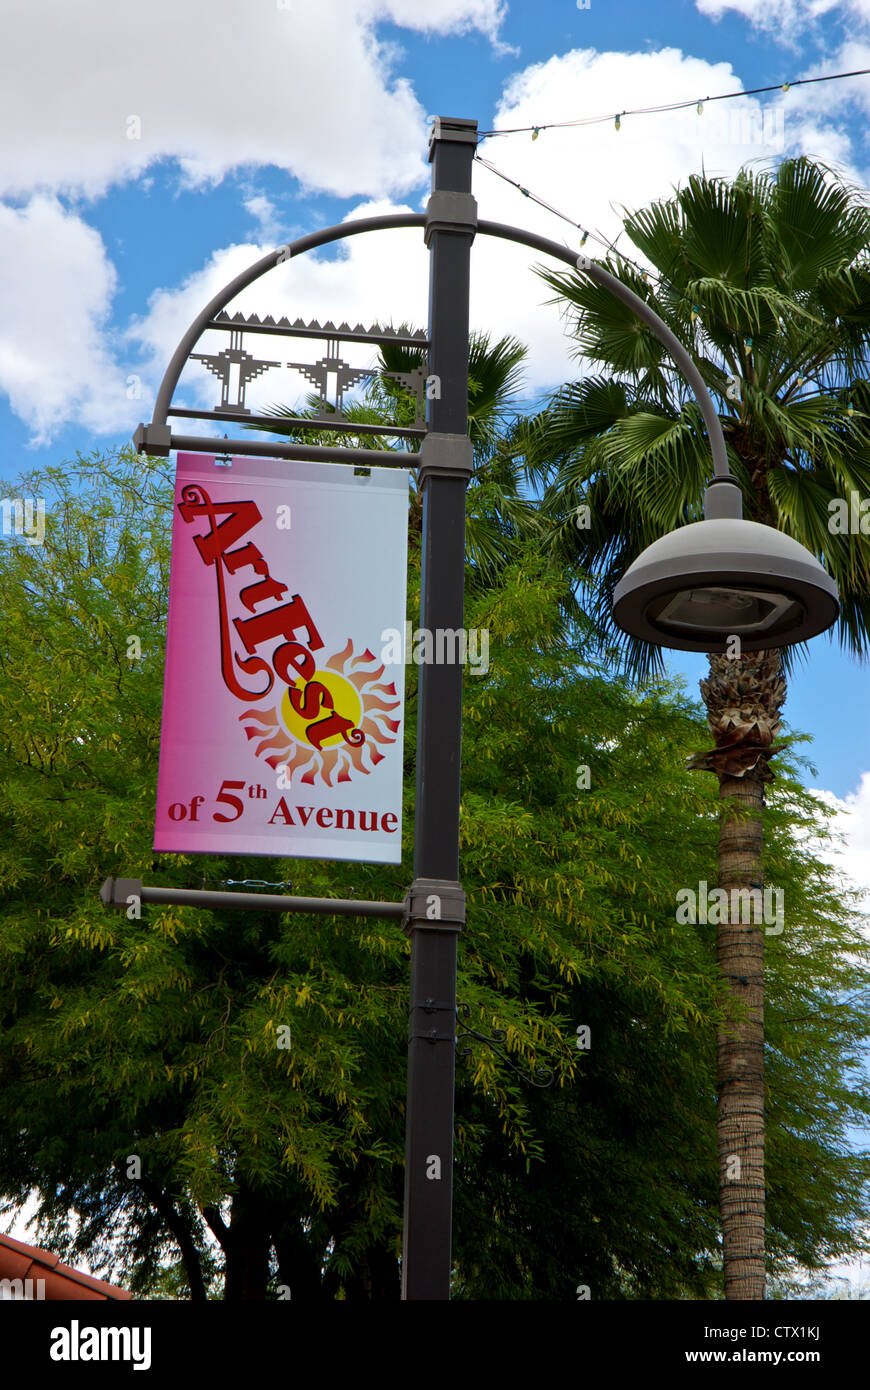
[[536, 130], [617, 123], [700, 108]]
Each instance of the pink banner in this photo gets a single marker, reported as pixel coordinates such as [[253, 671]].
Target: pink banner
[[282, 722]]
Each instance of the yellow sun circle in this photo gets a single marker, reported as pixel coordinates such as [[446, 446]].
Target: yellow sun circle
[[345, 699]]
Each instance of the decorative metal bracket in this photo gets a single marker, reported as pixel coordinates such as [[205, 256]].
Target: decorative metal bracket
[[498, 1036], [221, 365], [156, 438], [153, 439], [331, 376]]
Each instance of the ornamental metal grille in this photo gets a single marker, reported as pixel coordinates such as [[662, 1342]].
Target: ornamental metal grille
[[330, 374]]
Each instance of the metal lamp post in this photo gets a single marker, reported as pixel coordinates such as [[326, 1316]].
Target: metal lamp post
[[681, 592], [437, 902]]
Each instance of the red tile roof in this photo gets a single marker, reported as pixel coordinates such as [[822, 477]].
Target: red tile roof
[[20, 1261]]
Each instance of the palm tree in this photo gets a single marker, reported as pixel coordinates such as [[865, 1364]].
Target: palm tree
[[766, 281]]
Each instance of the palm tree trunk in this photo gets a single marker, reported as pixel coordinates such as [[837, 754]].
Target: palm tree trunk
[[743, 696], [740, 1046]]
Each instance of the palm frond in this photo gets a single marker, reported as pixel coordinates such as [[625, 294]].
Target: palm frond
[[766, 281]]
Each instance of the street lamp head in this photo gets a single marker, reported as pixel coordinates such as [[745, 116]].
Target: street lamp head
[[700, 586]]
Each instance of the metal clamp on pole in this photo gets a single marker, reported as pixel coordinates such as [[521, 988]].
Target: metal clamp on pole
[[431, 1006], [153, 439], [434, 902], [445, 456], [448, 211]]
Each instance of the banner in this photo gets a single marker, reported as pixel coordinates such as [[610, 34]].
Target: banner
[[282, 726]]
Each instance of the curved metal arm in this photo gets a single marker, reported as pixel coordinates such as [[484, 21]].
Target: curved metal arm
[[247, 277], [659, 327], [498, 229]]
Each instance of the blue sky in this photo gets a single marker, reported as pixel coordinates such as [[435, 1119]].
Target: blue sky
[[154, 153]]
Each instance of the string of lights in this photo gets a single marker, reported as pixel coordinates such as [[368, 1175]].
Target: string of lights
[[535, 199], [698, 103]]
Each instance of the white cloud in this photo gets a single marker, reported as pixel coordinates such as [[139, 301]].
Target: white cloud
[[439, 16], [588, 172], [851, 823], [760, 12], [57, 363], [305, 86], [302, 85], [265, 214], [789, 18], [822, 104]]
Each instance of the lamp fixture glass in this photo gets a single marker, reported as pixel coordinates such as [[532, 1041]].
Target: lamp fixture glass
[[720, 609]]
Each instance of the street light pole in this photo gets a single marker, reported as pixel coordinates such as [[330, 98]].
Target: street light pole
[[670, 596], [437, 903]]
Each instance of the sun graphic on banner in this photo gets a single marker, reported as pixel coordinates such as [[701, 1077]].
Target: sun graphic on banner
[[350, 688]]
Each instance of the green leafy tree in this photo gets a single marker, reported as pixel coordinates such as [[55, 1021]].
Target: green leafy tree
[[766, 282], [269, 1169]]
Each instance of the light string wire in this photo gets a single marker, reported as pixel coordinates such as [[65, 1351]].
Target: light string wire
[[697, 102], [610, 247]]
